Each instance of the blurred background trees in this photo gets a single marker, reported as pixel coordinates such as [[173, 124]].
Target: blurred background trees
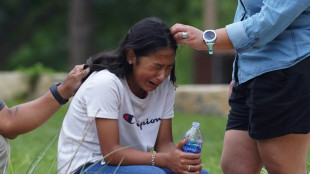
[[60, 34]]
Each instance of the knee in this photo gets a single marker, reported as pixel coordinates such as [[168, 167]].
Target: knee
[[227, 167], [285, 169], [237, 167], [150, 170]]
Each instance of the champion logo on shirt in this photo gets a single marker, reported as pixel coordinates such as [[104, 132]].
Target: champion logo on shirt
[[131, 119]]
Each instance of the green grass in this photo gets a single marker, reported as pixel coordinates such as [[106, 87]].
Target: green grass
[[25, 148]]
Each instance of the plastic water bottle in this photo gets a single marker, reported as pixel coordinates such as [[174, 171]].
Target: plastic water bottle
[[194, 139]]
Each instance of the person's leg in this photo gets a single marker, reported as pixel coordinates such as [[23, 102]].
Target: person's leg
[[286, 154], [4, 154], [280, 118], [240, 154], [168, 171], [204, 171]]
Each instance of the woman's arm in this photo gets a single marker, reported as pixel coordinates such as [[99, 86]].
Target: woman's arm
[[194, 37], [109, 143], [167, 156], [255, 31], [28, 116]]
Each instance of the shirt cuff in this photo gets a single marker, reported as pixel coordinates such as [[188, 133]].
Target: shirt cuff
[[237, 36]]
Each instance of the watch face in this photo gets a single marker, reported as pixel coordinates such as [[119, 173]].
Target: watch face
[[209, 35]]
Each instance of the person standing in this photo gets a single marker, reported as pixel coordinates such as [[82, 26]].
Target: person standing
[[269, 121]]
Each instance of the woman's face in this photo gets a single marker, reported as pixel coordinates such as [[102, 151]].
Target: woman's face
[[150, 71]]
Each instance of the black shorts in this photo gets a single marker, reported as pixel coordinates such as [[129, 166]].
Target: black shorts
[[274, 104]]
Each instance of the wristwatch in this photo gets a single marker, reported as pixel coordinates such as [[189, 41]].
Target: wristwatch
[[56, 94], [209, 36]]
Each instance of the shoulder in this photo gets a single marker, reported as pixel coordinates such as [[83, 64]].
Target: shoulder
[[103, 77], [100, 83]]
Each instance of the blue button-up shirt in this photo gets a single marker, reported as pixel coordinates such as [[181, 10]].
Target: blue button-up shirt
[[269, 35]]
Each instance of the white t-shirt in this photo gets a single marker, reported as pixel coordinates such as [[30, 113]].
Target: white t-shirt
[[104, 95]]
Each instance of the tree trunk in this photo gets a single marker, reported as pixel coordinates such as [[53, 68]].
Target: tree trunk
[[81, 27]]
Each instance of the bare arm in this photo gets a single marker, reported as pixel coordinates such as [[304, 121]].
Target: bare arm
[[28, 116], [109, 142], [194, 37], [167, 156]]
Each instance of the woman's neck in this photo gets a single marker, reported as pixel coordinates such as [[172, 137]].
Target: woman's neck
[[135, 89]]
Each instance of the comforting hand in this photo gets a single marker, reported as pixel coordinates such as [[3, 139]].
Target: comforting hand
[[184, 163], [73, 81], [185, 34]]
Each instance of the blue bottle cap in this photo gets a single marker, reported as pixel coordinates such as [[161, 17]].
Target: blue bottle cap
[[195, 124]]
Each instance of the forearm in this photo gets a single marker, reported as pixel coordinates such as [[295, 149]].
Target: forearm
[[195, 40], [222, 42], [23, 118], [164, 147], [130, 156]]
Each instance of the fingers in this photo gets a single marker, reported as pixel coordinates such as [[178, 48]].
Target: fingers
[[179, 32], [79, 72], [194, 168], [178, 28], [84, 73], [231, 85], [181, 144], [74, 80]]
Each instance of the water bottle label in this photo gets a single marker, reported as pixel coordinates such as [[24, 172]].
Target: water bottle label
[[191, 148]]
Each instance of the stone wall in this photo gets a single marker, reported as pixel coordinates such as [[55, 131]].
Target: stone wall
[[13, 84], [202, 99], [191, 99]]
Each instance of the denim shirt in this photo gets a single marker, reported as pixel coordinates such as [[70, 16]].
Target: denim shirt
[[269, 35]]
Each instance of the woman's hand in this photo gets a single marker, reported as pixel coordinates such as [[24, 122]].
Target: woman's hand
[[184, 163], [231, 85], [193, 36]]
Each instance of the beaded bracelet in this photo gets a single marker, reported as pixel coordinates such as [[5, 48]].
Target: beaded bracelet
[[153, 158]]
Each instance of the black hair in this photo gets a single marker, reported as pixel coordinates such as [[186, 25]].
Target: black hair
[[145, 37]]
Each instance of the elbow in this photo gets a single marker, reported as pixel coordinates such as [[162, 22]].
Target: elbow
[[109, 159], [113, 156], [113, 159], [8, 131], [11, 137], [9, 134]]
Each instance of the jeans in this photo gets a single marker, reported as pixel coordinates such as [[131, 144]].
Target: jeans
[[97, 168]]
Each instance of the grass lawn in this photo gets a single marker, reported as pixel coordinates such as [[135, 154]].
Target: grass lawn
[[29, 147]]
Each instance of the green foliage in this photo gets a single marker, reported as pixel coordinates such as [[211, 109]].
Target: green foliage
[[34, 72], [36, 31], [226, 12]]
